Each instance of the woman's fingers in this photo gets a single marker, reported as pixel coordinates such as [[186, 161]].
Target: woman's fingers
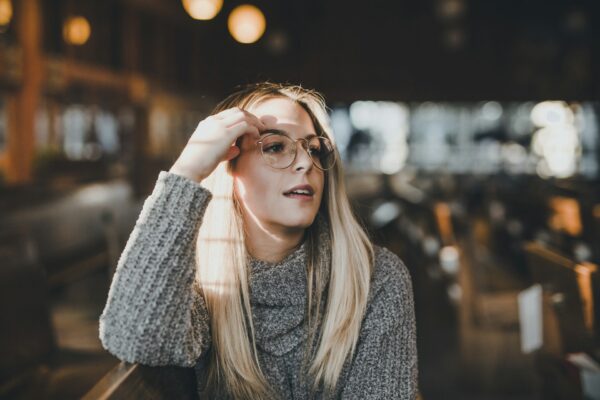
[[237, 115], [243, 127], [259, 124], [226, 112], [216, 139]]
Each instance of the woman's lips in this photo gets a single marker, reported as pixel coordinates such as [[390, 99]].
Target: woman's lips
[[299, 196]]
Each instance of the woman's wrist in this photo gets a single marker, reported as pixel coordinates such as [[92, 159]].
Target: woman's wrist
[[185, 172]]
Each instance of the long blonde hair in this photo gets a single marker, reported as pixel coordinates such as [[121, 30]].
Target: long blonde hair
[[222, 268]]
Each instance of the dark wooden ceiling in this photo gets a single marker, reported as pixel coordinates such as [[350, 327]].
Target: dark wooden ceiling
[[400, 49]]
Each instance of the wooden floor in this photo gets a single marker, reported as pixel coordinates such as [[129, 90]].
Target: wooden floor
[[440, 373], [75, 312]]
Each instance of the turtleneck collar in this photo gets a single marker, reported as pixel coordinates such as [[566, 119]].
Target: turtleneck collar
[[278, 293]]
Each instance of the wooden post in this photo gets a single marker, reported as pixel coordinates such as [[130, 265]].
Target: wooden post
[[21, 134]]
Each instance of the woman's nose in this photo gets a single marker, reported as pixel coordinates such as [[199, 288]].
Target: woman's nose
[[303, 159]]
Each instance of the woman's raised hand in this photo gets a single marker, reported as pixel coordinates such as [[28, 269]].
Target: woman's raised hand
[[214, 140]]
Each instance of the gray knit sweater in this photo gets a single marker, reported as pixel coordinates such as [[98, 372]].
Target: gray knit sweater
[[153, 315]]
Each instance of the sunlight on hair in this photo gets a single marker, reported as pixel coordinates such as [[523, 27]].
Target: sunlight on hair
[[222, 268]]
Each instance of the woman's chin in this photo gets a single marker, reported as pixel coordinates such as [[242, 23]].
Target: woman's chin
[[299, 222]]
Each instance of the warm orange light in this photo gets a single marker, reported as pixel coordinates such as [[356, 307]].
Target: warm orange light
[[566, 216], [6, 12], [77, 30], [202, 9], [443, 215], [246, 23], [584, 281]]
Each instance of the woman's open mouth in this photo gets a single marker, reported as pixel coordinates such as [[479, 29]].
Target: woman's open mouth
[[300, 196], [303, 192]]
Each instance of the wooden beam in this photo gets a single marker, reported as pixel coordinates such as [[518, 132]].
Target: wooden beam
[[21, 134]]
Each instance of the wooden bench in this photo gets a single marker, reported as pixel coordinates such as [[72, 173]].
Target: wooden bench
[[31, 365], [135, 381], [570, 318], [26, 336], [491, 357], [79, 232], [575, 288]]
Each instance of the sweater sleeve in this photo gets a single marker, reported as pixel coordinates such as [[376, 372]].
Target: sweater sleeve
[[385, 364], [155, 314]]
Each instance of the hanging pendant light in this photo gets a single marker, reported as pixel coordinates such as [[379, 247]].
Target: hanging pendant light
[[6, 13], [246, 23], [77, 30], [202, 9]]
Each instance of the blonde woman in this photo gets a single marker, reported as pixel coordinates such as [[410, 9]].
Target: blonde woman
[[248, 264]]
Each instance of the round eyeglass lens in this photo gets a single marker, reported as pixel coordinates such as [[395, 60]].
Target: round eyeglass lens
[[321, 152], [278, 150]]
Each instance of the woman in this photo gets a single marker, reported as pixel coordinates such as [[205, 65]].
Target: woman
[[247, 263]]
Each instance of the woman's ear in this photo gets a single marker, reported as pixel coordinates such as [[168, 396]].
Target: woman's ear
[[232, 153]]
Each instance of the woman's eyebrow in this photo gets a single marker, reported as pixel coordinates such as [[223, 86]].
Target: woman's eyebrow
[[279, 131], [282, 132]]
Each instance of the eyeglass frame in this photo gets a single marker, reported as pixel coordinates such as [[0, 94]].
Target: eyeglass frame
[[272, 132]]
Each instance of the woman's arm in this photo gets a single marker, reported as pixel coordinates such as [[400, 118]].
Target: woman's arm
[[385, 364], [155, 314]]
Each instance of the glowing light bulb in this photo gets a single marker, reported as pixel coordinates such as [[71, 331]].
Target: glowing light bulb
[[77, 30], [246, 23], [202, 9], [6, 12]]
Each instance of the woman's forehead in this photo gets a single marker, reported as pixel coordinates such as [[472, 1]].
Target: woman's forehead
[[279, 112]]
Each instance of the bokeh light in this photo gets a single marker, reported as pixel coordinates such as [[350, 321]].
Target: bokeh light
[[202, 9], [77, 30], [549, 113], [6, 12], [246, 23], [557, 140]]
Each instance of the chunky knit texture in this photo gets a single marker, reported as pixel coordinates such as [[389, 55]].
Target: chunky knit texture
[[155, 316]]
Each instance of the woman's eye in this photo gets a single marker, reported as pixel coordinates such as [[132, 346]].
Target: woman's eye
[[315, 150], [274, 148]]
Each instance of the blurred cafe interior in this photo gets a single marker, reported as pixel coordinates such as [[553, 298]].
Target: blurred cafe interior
[[470, 137]]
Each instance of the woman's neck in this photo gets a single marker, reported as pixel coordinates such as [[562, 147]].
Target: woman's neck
[[271, 243]]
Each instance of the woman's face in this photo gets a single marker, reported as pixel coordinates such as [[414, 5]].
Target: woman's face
[[261, 188]]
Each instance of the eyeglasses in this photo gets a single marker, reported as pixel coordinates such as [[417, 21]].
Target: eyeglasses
[[280, 150]]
